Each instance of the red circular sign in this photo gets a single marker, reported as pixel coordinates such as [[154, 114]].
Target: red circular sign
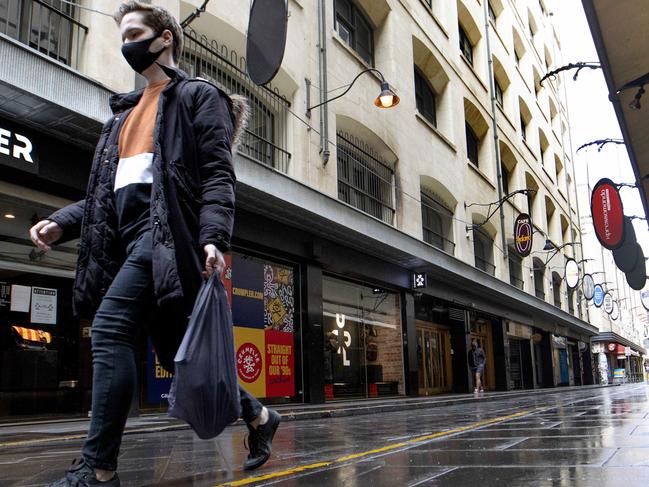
[[608, 214], [249, 362], [612, 347], [523, 234]]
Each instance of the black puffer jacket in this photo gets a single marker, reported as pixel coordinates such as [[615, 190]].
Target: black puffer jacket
[[192, 203]]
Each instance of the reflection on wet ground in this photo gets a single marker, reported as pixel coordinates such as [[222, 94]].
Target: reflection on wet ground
[[578, 438]]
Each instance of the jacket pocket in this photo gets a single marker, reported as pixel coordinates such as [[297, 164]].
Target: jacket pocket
[[175, 170]]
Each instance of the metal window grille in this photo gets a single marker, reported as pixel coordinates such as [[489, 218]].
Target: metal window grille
[[539, 289], [483, 252], [365, 181], [465, 46], [47, 26], [425, 98], [436, 223], [354, 29], [556, 291], [265, 139]]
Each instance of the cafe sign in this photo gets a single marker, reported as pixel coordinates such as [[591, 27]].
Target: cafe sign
[[608, 214], [523, 234]]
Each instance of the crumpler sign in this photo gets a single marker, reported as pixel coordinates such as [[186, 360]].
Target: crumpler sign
[[608, 214], [523, 234]]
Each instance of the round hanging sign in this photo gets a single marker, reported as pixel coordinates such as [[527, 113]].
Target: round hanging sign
[[608, 303], [637, 277], [608, 214], [611, 347], [572, 273], [598, 295], [644, 298], [523, 234], [626, 256], [588, 286], [615, 314]]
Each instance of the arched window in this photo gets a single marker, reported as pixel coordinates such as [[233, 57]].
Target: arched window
[[437, 222], [539, 276], [515, 268], [483, 250], [556, 289]]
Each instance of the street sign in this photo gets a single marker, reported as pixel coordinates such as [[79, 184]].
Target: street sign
[[523, 234], [608, 214], [598, 295], [588, 286], [608, 303], [572, 273]]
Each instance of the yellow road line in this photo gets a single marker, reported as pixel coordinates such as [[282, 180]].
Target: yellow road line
[[42, 440], [393, 446]]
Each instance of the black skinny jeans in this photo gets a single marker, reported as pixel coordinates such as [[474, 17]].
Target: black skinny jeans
[[114, 331]]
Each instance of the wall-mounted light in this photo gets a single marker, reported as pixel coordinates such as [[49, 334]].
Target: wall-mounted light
[[10, 216]]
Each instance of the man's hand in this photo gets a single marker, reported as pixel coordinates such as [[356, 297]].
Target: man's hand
[[214, 261], [45, 233]]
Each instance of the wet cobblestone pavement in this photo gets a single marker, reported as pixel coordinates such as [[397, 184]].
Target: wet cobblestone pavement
[[576, 438]]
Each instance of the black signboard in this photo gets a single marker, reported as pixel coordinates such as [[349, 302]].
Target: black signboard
[[523, 234]]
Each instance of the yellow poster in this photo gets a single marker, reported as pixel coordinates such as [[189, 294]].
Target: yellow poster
[[249, 347]]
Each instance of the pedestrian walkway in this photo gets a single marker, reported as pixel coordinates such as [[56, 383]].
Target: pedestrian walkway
[[44, 431]]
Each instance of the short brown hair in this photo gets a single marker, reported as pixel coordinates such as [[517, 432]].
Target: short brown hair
[[158, 18]]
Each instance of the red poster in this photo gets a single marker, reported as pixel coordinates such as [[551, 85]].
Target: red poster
[[608, 214], [280, 364]]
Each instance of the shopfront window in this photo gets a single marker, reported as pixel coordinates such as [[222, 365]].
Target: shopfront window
[[363, 351]]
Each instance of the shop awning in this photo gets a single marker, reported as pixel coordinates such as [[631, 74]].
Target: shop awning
[[612, 337], [619, 29], [50, 96], [264, 191]]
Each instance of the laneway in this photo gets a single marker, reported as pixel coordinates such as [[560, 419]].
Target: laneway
[[582, 437]]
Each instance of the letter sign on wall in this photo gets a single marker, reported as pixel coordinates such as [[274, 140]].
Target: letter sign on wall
[[523, 234], [608, 214]]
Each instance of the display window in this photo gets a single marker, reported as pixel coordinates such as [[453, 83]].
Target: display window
[[363, 352]]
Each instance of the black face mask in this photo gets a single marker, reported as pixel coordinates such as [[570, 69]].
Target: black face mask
[[137, 54]]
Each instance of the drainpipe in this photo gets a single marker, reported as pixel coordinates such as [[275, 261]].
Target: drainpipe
[[494, 124], [322, 66]]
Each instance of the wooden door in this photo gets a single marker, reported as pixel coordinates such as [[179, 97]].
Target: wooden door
[[434, 359], [482, 334]]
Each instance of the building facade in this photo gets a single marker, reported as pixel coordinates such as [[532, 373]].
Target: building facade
[[339, 209]]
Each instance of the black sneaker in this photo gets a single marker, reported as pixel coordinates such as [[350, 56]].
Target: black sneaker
[[260, 440], [81, 474]]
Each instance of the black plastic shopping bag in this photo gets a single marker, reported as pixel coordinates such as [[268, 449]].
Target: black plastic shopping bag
[[204, 391]]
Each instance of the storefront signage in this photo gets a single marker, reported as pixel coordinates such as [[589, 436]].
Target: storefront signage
[[17, 150], [572, 273], [20, 298], [597, 348], [419, 280], [158, 379], [612, 347], [523, 234], [537, 338], [608, 303], [644, 298], [588, 286], [598, 295], [636, 278], [262, 297], [608, 214], [43, 308]]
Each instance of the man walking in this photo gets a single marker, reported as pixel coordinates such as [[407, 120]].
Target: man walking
[[477, 361], [157, 217]]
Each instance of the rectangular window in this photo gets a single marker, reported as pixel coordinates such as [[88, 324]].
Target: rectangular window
[[363, 352], [472, 145], [515, 269], [425, 97], [539, 289], [498, 93], [492, 13], [465, 46], [364, 181], [354, 29], [523, 128], [517, 57], [437, 223], [483, 251], [505, 177], [556, 292], [571, 301]]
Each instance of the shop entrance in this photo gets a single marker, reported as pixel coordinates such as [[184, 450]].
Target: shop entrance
[[434, 359], [481, 333], [520, 364]]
